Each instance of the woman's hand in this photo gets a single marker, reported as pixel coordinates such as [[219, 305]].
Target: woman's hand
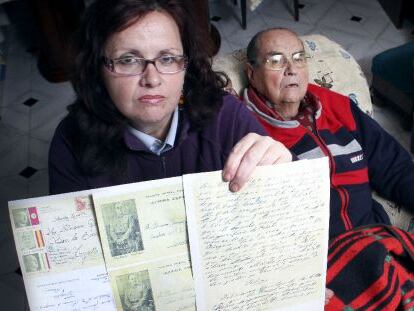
[[252, 150]]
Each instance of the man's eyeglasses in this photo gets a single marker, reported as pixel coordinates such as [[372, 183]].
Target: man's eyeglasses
[[277, 62], [132, 66]]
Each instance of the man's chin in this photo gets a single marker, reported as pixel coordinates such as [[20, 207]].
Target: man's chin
[[291, 101], [293, 96]]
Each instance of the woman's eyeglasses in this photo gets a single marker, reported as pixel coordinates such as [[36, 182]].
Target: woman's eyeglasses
[[132, 66], [277, 62]]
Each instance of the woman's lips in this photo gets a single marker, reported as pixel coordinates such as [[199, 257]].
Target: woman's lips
[[151, 99]]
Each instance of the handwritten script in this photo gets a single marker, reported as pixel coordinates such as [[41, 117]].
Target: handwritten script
[[269, 240], [71, 236]]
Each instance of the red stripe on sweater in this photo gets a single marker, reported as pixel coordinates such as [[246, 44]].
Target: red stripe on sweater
[[345, 208], [341, 112], [351, 177], [289, 137]]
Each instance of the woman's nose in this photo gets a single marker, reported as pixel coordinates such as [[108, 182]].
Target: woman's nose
[[150, 77]]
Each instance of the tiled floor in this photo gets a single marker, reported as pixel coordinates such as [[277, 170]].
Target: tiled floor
[[31, 107]]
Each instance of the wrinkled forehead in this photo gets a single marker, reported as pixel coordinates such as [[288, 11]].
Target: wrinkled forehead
[[279, 41]]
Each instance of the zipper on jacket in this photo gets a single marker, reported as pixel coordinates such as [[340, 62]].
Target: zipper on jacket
[[343, 194], [344, 211], [164, 166]]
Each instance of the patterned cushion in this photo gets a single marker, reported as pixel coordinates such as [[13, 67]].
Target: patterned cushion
[[399, 216], [334, 68]]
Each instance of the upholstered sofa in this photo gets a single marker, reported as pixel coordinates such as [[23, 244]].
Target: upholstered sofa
[[332, 67], [393, 81]]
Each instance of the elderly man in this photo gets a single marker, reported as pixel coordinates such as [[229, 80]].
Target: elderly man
[[315, 122]]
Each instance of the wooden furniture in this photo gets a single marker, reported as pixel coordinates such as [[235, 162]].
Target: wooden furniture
[[398, 10], [202, 13], [243, 11], [57, 22]]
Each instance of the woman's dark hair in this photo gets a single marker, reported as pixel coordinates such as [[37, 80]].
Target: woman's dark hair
[[99, 125]]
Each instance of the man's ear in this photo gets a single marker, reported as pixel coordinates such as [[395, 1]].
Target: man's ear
[[249, 71]]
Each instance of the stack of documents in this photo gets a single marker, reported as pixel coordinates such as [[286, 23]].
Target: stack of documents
[[182, 243]]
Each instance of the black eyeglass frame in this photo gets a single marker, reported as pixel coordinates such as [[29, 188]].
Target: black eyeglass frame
[[109, 63]]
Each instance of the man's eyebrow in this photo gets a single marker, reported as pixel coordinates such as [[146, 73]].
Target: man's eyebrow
[[273, 53], [280, 53]]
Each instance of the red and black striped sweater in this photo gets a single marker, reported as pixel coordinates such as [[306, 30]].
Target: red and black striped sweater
[[363, 157]]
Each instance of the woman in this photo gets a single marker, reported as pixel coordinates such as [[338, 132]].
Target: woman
[[136, 60]]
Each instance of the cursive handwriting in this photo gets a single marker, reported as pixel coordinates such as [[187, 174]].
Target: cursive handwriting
[[271, 235]]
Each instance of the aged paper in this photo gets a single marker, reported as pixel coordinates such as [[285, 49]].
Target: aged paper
[[143, 232], [59, 252], [265, 247]]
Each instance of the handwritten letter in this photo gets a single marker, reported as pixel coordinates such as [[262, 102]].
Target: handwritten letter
[[264, 247]]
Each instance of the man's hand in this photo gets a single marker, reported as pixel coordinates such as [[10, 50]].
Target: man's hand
[[252, 150], [328, 295]]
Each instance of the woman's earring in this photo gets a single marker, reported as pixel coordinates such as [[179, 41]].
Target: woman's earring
[[181, 101]]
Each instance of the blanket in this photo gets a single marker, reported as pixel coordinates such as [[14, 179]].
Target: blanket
[[371, 268]]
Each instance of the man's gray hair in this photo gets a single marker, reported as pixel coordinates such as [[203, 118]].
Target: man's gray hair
[[252, 47]]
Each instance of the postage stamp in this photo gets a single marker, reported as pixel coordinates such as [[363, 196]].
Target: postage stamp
[[21, 217], [135, 291], [32, 263], [122, 227]]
